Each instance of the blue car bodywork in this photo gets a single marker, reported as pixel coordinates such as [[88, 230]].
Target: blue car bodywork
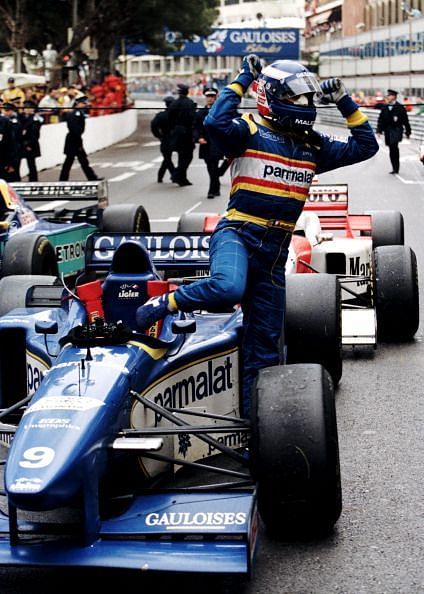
[[140, 437]]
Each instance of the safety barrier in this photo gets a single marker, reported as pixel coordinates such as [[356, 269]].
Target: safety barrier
[[100, 132], [332, 117]]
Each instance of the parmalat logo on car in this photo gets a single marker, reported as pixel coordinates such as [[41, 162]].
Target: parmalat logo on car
[[192, 384]]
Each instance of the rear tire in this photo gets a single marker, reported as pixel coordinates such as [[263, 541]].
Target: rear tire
[[396, 292], [387, 227], [313, 325], [192, 222], [295, 452], [125, 218], [29, 253]]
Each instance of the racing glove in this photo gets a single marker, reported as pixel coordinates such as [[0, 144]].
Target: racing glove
[[334, 91], [251, 68]]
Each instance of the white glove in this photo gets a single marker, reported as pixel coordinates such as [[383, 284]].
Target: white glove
[[250, 70], [333, 89]]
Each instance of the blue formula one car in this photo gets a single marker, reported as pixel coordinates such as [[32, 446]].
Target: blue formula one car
[[129, 449], [50, 239]]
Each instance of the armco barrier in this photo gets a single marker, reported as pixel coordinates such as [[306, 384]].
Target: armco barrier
[[100, 132], [331, 116]]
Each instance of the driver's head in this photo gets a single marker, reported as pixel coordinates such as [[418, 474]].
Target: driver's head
[[285, 95]]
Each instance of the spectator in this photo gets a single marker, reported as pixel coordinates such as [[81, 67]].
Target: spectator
[[10, 111], [160, 129], [13, 93], [208, 151], [392, 121], [75, 120], [31, 123], [8, 150], [49, 106], [181, 116]]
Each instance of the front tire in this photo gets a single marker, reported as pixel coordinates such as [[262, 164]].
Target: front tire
[[295, 452]]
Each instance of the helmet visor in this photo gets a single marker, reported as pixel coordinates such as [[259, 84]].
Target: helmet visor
[[285, 85]]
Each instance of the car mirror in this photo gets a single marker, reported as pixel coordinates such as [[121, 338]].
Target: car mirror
[[184, 326]]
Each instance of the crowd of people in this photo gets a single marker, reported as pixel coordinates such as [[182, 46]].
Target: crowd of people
[[25, 110]]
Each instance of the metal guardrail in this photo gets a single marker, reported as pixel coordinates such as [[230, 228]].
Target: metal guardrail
[[332, 117]]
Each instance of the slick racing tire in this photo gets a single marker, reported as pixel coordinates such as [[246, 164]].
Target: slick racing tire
[[14, 289], [295, 452], [313, 324], [396, 292], [125, 218], [387, 227], [29, 253], [192, 222]]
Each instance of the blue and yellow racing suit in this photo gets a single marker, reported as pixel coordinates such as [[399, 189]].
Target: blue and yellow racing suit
[[271, 172]]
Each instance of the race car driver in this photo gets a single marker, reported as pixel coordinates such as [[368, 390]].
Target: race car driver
[[273, 163]]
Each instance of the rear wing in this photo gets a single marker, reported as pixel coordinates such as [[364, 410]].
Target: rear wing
[[331, 199], [96, 191], [168, 251]]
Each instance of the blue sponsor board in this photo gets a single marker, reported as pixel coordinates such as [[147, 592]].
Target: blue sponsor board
[[267, 43]]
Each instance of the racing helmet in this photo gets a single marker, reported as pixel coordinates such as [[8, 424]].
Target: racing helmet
[[285, 95]]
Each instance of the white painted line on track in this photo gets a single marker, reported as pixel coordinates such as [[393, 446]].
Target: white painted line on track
[[409, 181], [144, 167], [168, 220], [121, 177], [127, 164], [193, 207], [51, 205], [153, 143]]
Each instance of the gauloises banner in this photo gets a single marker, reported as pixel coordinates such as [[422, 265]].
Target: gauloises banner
[[266, 43]]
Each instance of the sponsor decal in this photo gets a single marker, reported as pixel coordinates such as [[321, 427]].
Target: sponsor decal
[[212, 378], [79, 403], [36, 368], [52, 423], [358, 268], [69, 251], [289, 175], [26, 485], [231, 440], [304, 122], [128, 291], [203, 520], [161, 247]]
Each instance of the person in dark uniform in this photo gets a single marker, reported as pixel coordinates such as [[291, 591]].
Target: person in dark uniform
[[159, 127], [31, 123], [8, 150], [208, 151], [181, 116], [10, 111], [392, 121], [75, 120]]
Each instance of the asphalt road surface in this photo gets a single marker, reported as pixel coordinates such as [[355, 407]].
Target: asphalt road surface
[[377, 546]]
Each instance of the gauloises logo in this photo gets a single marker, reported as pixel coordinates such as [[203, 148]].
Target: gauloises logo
[[190, 521], [160, 247]]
